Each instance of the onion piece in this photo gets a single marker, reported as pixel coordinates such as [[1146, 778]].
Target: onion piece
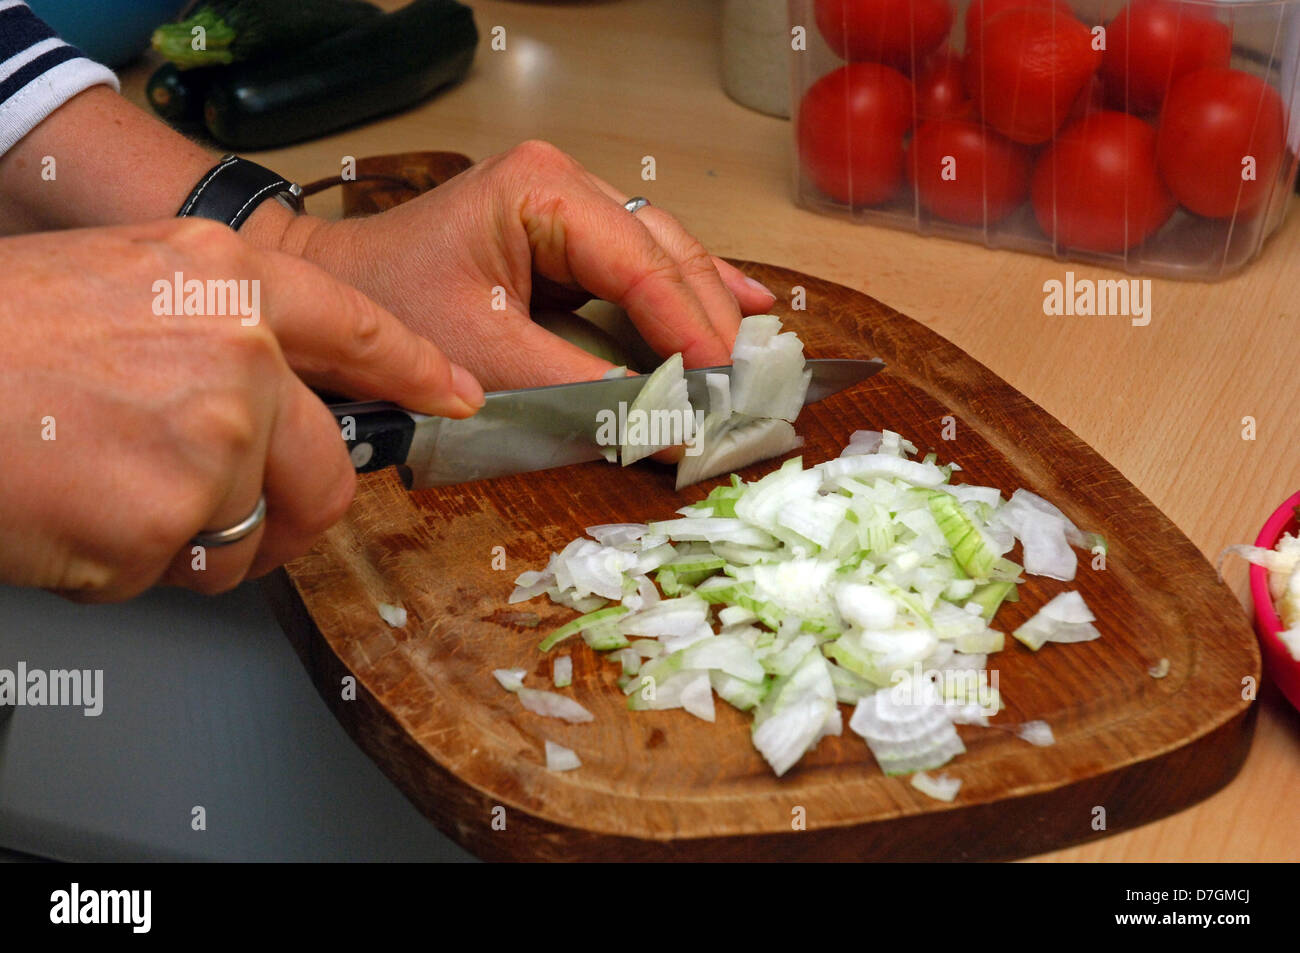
[[562, 671], [907, 728], [1066, 618], [1036, 733], [395, 616], [942, 788], [511, 679], [661, 415], [769, 378], [554, 705], [560, 758]]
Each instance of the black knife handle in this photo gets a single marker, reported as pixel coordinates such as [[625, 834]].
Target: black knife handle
[[375, 437]]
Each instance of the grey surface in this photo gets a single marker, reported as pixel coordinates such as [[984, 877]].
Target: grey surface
[[205, 703]]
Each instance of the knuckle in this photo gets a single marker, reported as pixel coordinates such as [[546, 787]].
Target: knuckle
[[367, 331], [223, 423], [540, 154], [659, 269], [207, 239], [163, 530]]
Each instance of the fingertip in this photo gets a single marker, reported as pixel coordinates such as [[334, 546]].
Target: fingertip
[[752, 296], [466, 386], [759, 292]]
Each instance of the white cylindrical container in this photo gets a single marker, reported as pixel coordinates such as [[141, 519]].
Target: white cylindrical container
[[755, 49]]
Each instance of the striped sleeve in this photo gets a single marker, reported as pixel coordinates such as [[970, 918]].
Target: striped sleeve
[[38, 72]]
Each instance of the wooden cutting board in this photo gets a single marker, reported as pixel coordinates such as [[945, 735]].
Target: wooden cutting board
[[665, 785]]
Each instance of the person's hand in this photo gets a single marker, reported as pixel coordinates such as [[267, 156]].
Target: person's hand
[[126, 432], [530, 228]]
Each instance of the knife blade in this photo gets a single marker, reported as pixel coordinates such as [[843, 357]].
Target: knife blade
[[534, 428]]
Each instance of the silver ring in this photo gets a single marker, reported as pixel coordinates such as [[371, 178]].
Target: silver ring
[[636, 203], [224, 537]]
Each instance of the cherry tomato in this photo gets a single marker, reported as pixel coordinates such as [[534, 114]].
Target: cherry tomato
[[1153, 42], [1096, 187], [1027, 73], [966, 173], [896, 32], [981, 10], [940, 89], [851, 125], [1218, 127]]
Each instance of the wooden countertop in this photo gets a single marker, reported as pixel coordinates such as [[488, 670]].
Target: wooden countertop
[[611, 82]]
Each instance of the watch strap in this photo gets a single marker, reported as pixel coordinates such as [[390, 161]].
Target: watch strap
[[233, 188]]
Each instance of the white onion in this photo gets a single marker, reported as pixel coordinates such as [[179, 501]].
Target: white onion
[[395, 616], [560, 758], [553, 705]]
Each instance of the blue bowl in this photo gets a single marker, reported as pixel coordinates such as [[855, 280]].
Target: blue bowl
[[112, 32]]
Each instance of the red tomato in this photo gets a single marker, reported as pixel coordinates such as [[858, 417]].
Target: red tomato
[[850, 130], [965, 173], [940, 90], [981, 10], [1153, 42], [897, 32], [1213, 121], [1097, 188], [1029, 70]]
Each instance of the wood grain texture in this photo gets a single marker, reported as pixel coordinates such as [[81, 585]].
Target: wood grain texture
[[666, 785]]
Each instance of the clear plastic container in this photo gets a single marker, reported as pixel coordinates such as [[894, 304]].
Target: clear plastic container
[[1154, 136]]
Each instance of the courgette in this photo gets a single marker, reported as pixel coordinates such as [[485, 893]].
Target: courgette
[[380, 66], [236, 30], [177, 95]]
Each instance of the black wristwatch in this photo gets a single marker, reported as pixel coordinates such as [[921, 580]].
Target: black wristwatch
[[234, 187]]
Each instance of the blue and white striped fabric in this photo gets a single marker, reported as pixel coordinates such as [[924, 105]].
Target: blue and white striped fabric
[[38, 72]]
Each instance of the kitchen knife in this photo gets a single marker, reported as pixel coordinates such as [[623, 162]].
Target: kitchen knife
[[518, 431]]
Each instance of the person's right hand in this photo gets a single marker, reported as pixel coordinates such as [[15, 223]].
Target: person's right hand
[[165, 426]]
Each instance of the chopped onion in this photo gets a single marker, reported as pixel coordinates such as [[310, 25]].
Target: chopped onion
[[907, 730], [862, 441], [1036, 733], [395, 616], [553, 705], [662, 409], [942, 788], [769, 377], [511, 679], [868, 580], [560, 758], [1065, 619], [697, 696], [562, 671]]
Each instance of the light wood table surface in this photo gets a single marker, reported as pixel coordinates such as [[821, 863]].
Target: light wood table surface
[[611, 82]]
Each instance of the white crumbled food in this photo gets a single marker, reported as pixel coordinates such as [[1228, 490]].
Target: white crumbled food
[[553, 705], [1066, 618], [1283, 565], [511, 679], [870, 580], [395, 616], [560, 758], [942, 788], [562, 671], [1038, 733]]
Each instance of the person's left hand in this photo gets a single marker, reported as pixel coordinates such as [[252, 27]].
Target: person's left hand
[[464, 265]]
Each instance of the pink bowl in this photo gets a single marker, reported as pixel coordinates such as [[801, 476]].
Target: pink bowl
[[1281, 666]]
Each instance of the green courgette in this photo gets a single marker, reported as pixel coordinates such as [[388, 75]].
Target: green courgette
[[380, 66], [177, 95], [232, 31]]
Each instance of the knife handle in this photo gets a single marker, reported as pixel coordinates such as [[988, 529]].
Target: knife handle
[[377, 436]]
